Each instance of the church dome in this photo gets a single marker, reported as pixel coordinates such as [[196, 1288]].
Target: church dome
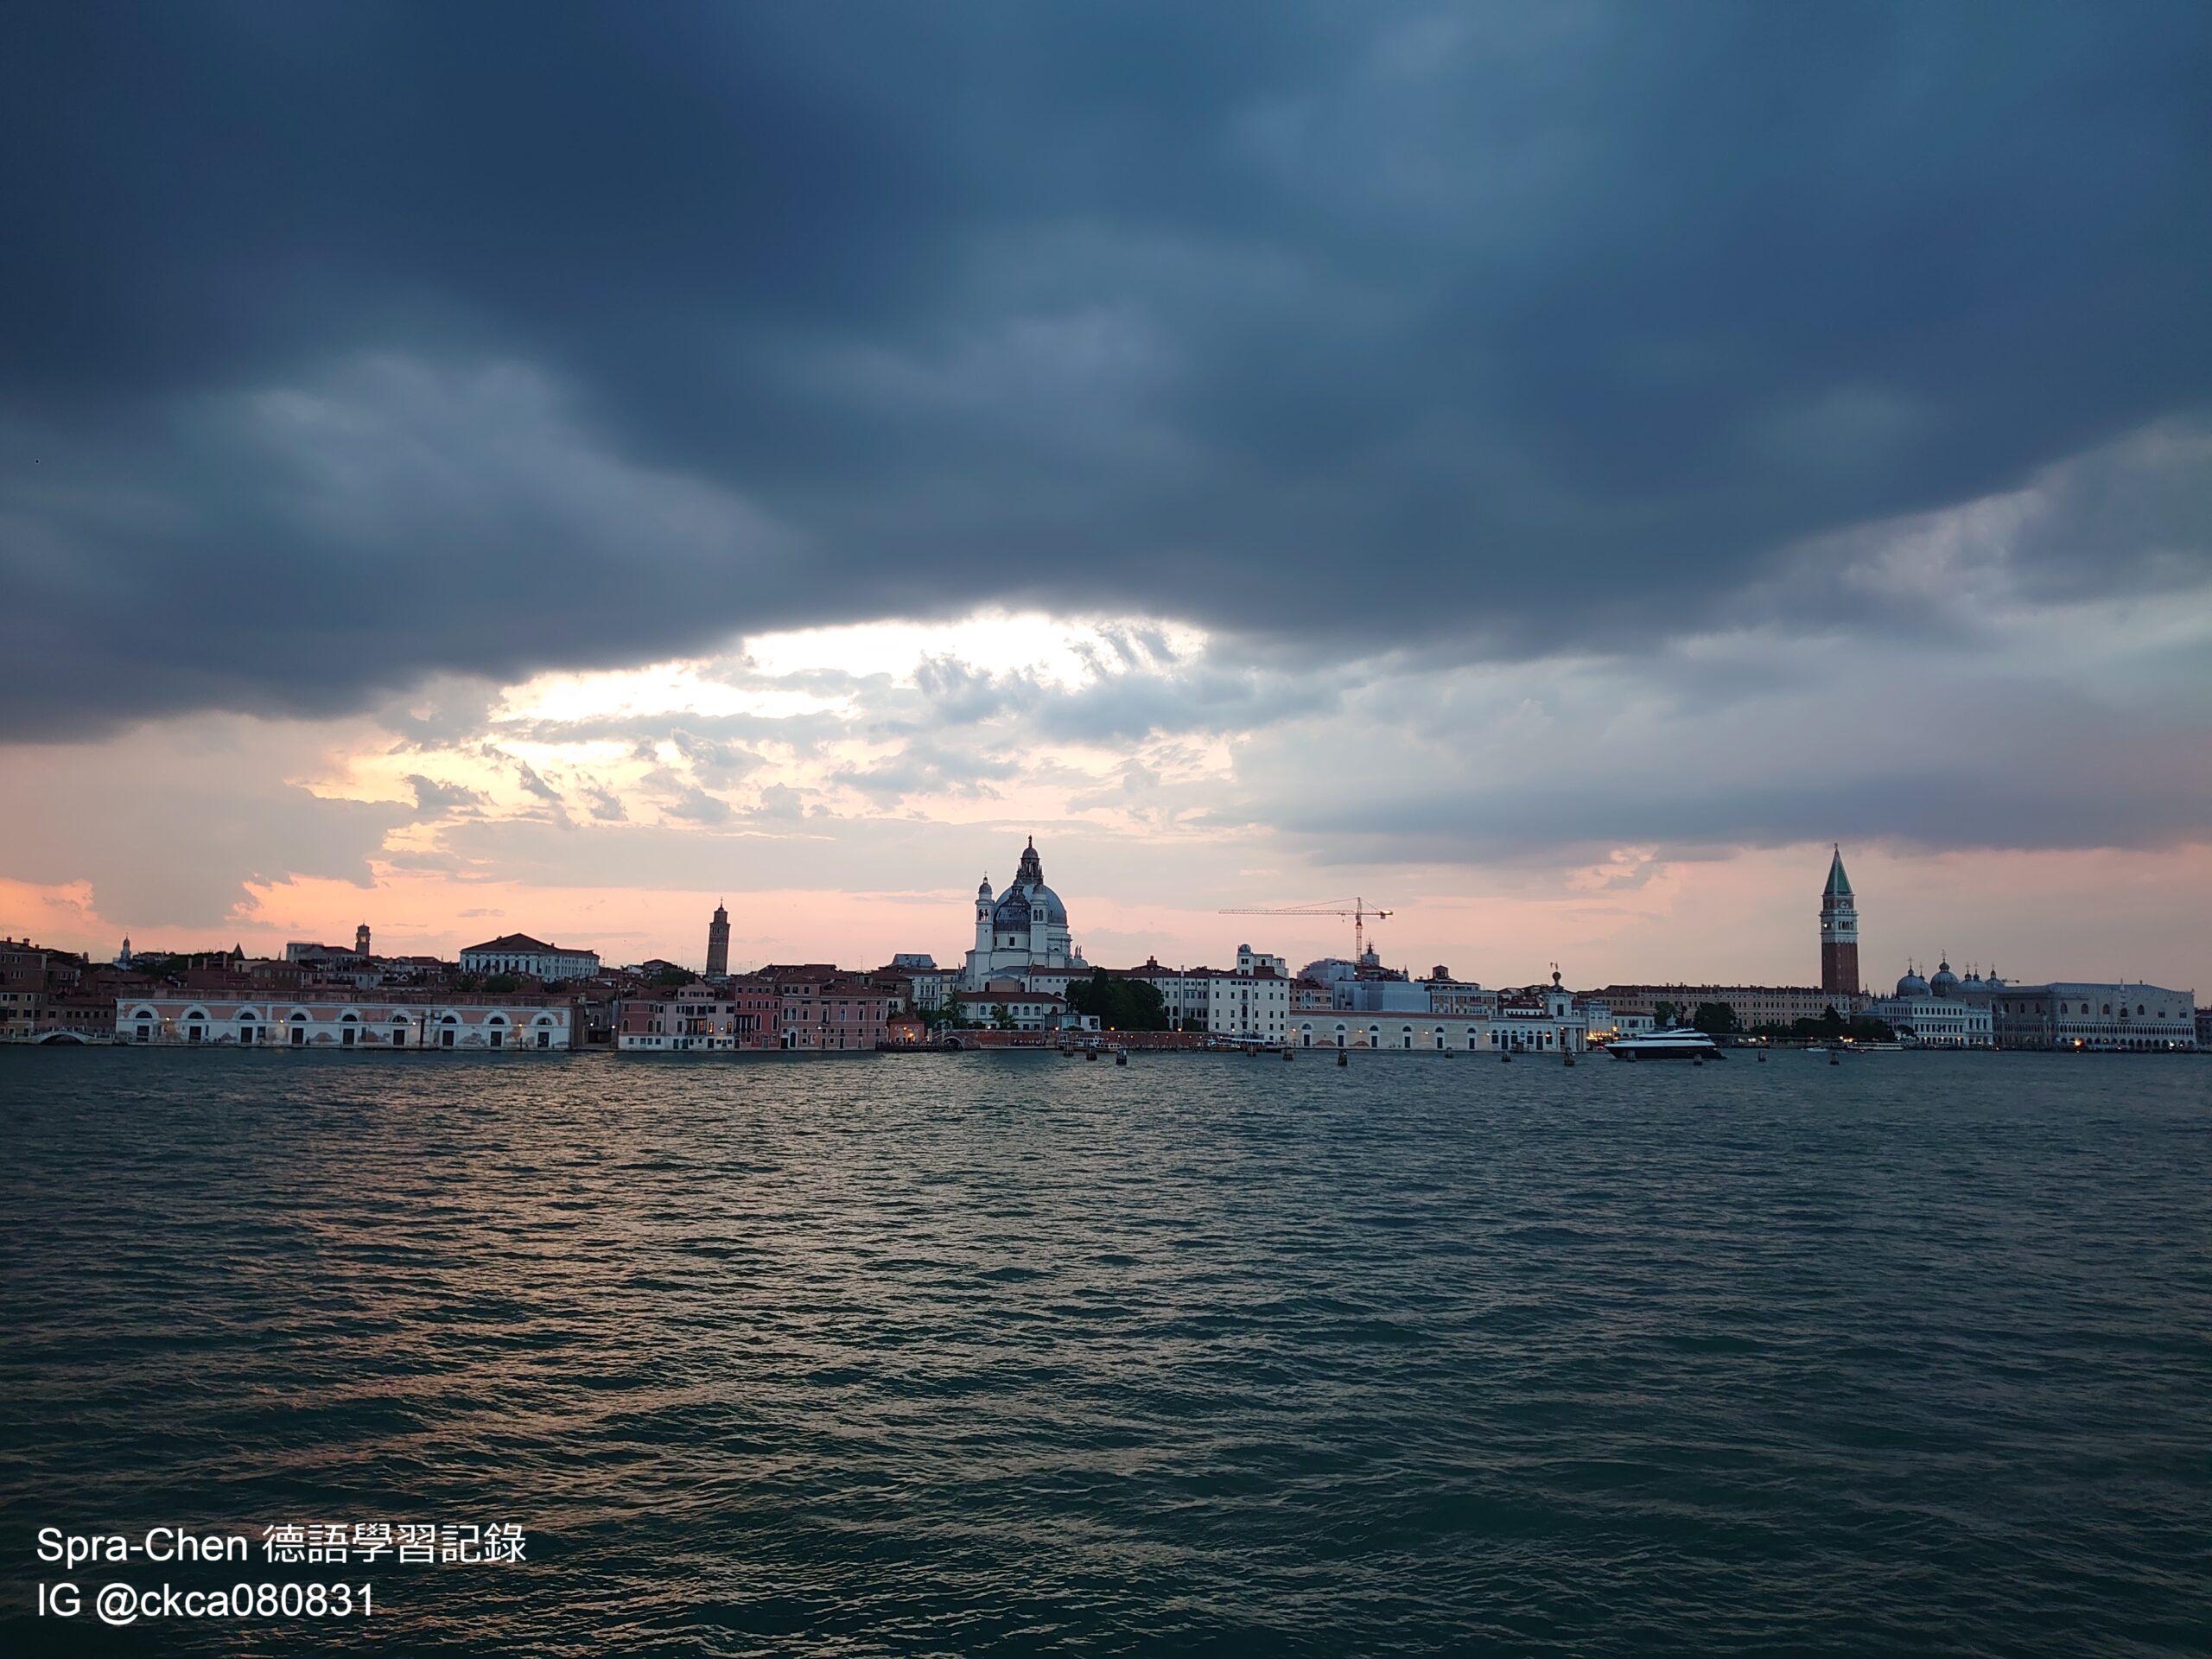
[[1912, 985], [1023, 906], [1028, 902], [1946, 982]]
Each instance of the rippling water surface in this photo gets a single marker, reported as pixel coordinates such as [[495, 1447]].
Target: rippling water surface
[[1014, 1354]]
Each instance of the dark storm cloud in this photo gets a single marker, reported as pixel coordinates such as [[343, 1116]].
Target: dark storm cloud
[[346, 346]]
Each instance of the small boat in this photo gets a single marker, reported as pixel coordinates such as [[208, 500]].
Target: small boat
[[1675, 1043]]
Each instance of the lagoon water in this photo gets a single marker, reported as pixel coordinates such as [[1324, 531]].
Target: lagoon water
[[973, 1355]]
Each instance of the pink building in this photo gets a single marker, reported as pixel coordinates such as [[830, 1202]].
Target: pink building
[[827, 1008], [812, 1006], [738, 1013]]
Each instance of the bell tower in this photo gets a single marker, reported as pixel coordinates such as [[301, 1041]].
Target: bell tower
[[718, 943], [1839, 932]]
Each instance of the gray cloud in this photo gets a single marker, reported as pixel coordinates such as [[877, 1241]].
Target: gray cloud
[[349, 349], [1866, 742], [443, 799]]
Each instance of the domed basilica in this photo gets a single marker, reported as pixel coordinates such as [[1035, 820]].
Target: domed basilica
[[1023, 929]]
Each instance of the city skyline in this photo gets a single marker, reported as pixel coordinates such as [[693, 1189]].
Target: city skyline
[[1523, 466], [1705, 960]]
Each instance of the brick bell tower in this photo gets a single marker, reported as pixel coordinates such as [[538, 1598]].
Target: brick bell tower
[[718, 944], [1838, 933]]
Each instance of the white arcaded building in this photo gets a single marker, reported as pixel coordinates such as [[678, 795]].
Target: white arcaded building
[[391, 1021]]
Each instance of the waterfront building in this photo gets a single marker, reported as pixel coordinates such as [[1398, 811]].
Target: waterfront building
[[1246, 1000], [1838, 934], [744, 1013], [1598, 1023], [1539, 1020], [2097, 1015], [1930, 1013], [1540, 1017], [1023, 929], [826, 1009], [1421, 1033], [1184, 992], [1752, 1005], [718, 943], [25, 970], [1025, 1009], [84, 1012], [182, 1016], [2023, 1016], [518, 953], [1252, 1004], [56, 996]]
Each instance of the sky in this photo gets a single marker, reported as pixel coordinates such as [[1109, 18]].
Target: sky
[[1551, 471]]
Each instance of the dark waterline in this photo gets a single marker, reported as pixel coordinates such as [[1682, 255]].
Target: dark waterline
[[1011, 1354]]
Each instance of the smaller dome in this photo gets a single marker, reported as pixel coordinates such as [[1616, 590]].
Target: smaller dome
[[1945, 981], [1912, 985]]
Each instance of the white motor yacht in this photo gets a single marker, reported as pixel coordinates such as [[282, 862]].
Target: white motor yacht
[[1675, 1043]]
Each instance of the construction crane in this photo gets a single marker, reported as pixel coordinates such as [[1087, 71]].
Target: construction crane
[[1358, 909]]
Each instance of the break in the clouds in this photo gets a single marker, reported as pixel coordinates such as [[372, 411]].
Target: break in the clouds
[[762, 448], [348, 346]]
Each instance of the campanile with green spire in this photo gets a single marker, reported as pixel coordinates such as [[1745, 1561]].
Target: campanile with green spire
[[1839, 932]]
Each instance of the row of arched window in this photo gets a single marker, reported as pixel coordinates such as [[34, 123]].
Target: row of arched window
[[198, 1024]]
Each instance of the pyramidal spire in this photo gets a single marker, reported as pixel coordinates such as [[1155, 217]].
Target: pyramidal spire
[[1839, 883]]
